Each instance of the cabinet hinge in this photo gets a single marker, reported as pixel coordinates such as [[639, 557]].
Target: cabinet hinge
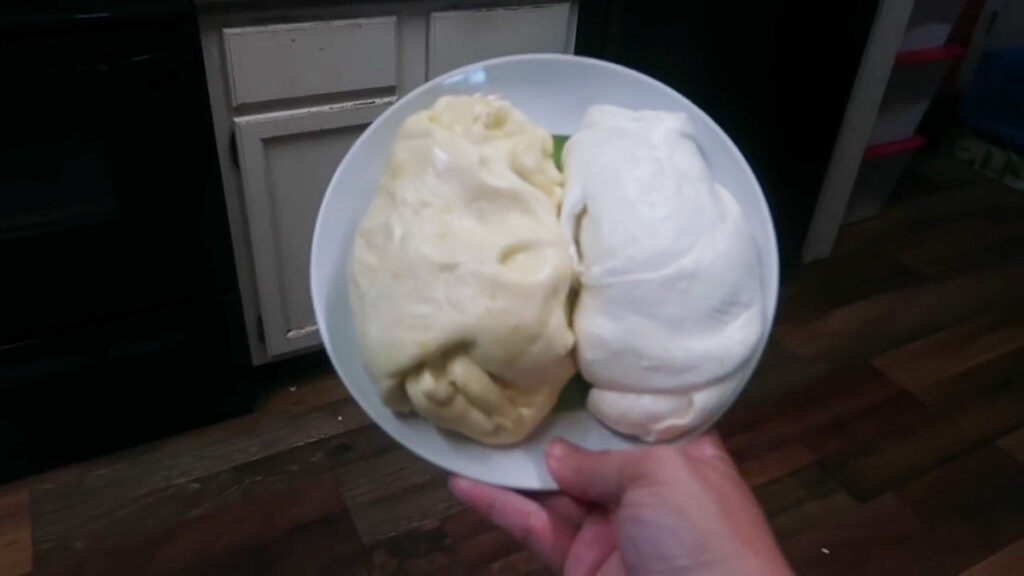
[[233, 149]]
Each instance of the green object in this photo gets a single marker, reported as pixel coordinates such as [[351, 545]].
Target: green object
[[574, 395], [560, 140]]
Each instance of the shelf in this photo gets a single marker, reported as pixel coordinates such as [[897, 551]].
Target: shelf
[[895, 147], [926, 55]]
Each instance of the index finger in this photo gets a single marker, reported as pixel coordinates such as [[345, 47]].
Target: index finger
[[601, 477], [547, 534]]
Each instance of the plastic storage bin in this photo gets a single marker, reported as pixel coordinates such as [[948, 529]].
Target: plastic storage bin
[[879, 172], [912, 85], [994, 101]]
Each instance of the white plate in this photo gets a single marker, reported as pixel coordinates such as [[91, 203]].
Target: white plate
[[554, 91]]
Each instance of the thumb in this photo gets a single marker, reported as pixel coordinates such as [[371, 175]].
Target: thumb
[[601, 477]]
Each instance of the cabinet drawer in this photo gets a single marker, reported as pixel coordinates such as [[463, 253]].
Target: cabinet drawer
[[311, 58], [462, 37]]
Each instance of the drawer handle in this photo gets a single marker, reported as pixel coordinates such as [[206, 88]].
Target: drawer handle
[[300, 332]]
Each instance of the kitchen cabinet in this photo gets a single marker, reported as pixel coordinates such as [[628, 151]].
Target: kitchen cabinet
[[292, 88], [462, 37]]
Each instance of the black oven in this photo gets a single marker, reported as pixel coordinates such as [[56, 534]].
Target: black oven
[[119, 314]]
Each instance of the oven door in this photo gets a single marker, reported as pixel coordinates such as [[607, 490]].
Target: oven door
[[106, 183], [119, 312]]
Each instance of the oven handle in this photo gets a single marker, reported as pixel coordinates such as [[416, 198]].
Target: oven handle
[[113, 65]]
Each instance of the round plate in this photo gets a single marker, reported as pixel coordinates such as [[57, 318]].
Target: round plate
[[554, 91]]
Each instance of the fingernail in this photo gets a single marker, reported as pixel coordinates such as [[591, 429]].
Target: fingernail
[[706, 446], [457, 484], [559, 449]]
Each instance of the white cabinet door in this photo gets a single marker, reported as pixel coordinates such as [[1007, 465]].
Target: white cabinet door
[[462, 37], [286, 160]]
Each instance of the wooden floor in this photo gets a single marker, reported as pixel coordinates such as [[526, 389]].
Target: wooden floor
[[883, 434]]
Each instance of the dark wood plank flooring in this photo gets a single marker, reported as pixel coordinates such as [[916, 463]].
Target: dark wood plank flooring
[[882, 433]]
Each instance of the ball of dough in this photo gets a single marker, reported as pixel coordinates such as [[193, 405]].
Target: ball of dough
[[460, 272], [670, 308]]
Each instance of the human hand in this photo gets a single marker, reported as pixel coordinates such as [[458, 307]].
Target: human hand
[[649, 511]]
